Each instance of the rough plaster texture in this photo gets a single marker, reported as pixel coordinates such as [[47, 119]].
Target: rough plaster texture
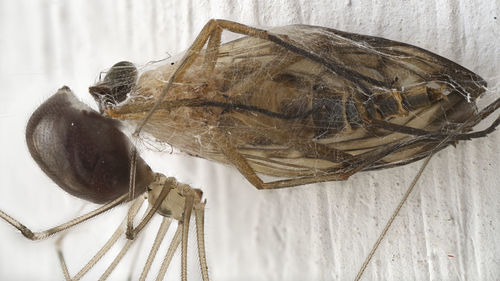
[[447, 231]]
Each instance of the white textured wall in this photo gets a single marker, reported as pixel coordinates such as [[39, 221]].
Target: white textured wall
[[447, 231]]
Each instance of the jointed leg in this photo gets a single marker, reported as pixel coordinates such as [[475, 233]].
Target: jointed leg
[[165, 223], [246, 170], [199, 212], [170, 252], [214, 28], [117, 260], [107, 246], [60, 256], [131, 231], [350, 166], [460, 136], [185, 231], [46, 233]]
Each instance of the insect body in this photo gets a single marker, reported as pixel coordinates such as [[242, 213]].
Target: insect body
[[306, 103]]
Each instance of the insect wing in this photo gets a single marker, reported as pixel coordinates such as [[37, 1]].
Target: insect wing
[[303, 104]]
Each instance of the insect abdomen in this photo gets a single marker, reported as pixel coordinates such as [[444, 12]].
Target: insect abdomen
[[336, 112], [83, 152]]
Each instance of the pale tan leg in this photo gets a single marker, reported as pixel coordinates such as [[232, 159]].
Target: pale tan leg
[[357, 164], [60, 256], [485, 112], [165, 223], [131, 231], [131, 191], [46, 233], [199, 213], [185, 231], [107, 246], [212, 50], [170, 253], [242, 165], [391, 219], [117, 260], [133, 160], [111, 241], [135, 260]]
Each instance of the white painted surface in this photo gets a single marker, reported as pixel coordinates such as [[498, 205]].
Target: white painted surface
[[448, 230]]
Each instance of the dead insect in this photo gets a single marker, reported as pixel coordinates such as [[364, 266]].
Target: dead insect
[[304, 104]]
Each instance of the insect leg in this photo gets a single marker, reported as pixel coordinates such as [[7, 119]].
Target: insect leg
[[170, 252], [60, 256], [440, 139], [131, 231], [212, 28], [185, 231], [212, 50], [246, 170], [350, 166], [392, 218], [165, 223], [117, 260], [107, 246], [237, 160], [185, 62], [435, 135], [46, 233], [282, 61], [460, 136], [439, 146], [199, 213]]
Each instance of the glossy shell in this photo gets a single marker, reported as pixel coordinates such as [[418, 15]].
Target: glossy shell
[[81, 151]]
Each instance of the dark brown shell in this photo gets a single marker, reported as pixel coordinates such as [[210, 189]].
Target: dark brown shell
[[81, 151]]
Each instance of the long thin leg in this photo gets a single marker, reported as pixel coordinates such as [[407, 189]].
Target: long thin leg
[[246, 170], [131, 232], [117, 260], [165, 223], [129, 242], [439, 146], [135, 260], [176, 240], [60, 256], [391, 219], [46, 233], [105, 248], [185, 231], [461, 136], [111, 241], [199, 213], [351, 166]]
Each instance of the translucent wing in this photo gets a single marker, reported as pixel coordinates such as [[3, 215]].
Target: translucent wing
[[314, 104]]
